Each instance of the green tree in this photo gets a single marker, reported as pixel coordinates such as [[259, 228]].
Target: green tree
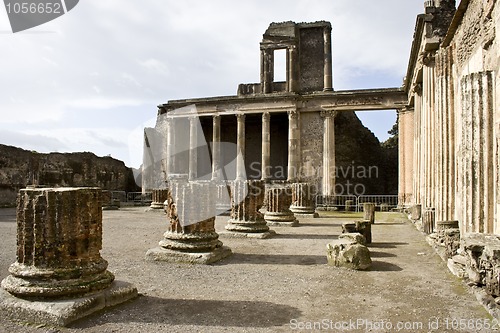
[[392, 142]]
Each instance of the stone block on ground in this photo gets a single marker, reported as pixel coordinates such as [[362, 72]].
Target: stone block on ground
[[348, 254], [354, 237]]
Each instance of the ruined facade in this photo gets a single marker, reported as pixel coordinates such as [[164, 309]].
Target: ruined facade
[[279, 132], [450, 133]]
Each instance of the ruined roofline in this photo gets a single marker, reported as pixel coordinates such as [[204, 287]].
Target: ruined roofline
[[455, 23], [415, 49], [174, 104], [322, 23]]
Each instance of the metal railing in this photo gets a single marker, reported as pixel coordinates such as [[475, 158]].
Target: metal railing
[[355, 203], [140, 198], [337, 202]]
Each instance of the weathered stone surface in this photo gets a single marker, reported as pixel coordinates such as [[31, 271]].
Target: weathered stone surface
[[159, 196], [59, 239], [416, 212], [354, 237], [20, 168], [247, 198], [362, 227], [428, 219], [59, 275], [369, 212], [348, 254], [65, 311], [278, 212], [191, 235], [303, 200]]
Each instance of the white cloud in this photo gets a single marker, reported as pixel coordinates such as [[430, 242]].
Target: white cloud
[[110, 55]]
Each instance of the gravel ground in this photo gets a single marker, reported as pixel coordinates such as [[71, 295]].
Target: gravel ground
[[273, 285]]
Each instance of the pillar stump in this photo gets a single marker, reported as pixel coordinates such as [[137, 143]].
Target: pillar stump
[[158, 198], [303, 201], [369, 212], [191, 236], [279, 200], [247, 197], [59, 238]]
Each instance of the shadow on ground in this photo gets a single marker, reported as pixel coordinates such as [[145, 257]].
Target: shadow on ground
[[382, 266], [148, 309], [306, 236], [273, 259]]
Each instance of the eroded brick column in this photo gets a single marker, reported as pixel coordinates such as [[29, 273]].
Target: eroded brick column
[[279, 200], [247, 197], [303, 200], [59, 236], [191, 235]]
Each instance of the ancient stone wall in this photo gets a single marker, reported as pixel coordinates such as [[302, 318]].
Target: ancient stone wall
[[19, 168]]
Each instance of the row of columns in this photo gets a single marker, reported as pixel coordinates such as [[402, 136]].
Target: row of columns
[[294, 159]]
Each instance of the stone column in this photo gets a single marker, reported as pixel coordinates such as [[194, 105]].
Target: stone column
[[328, 152], [59, 238], [216, 167], [170, 147], [191, 235], [266, 146], [267, 70], [405, 152], [328, 81], [369, 212], [193, 147], [279, 200], [293, 145], [292, 69], [247, 197], [303, 200], [240, 147], [158, 198]]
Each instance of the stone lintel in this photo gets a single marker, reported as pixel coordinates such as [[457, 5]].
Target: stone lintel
[[175, 257], [65, 311]]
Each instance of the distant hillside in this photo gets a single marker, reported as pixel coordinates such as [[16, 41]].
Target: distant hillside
[[19, 168]]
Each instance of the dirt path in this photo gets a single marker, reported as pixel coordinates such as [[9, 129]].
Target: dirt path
[[274, 285]]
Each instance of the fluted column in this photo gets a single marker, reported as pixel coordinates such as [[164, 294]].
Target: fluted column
[[216, 168], [293, 145], [328, 152], [193, 147], [328, 80], [405, 152], [191, 235], [240, 147], [158, 198], [279, 200], [59, 236], [247, 197], [303, 200], [266, 146]]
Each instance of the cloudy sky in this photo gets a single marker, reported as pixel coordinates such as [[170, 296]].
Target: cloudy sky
[[91, 79]]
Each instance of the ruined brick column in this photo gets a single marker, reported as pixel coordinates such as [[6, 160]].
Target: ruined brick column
[[159, 196], [278, 212], [303, 200], [59, 236], [191, 235], [247, 197], [266, 145]]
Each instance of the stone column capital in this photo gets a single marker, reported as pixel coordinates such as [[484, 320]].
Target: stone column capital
[[240, 116], [266, 116], [292, 114], [328, 113]]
